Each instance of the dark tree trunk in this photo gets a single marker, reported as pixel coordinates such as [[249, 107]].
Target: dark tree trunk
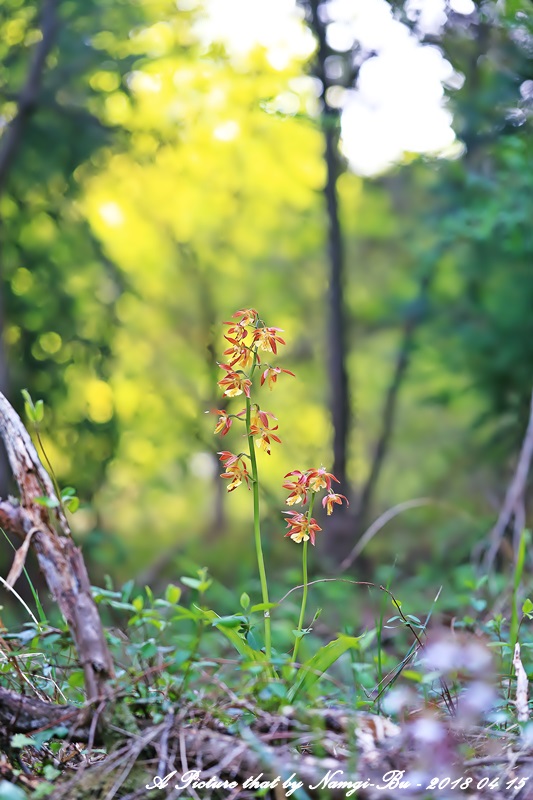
[[10, 144], [336, 339]]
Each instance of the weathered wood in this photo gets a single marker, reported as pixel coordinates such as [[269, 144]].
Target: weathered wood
[[60, 561], [23, 714]]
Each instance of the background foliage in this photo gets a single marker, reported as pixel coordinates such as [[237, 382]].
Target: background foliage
[[163, 181]]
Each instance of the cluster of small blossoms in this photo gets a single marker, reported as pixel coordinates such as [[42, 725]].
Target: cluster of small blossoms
[[302, 526], [235, 469], [247, 337]]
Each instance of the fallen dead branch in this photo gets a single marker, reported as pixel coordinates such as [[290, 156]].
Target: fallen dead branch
[[60, 561], [24, 714]]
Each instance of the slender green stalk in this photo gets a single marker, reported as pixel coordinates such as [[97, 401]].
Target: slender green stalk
[[304, 601], [257, 529], [305, 586]]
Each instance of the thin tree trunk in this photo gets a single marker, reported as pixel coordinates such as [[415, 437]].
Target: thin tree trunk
[[336, 344], [403, 360], [10, 144], [27, 100]]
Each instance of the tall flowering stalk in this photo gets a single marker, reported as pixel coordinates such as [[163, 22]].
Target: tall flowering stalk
[[247, 337], [249, 340], [302, 526]]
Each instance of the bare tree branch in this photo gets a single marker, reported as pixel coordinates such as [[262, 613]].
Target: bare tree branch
[[403, 360], [380, 523], [513, 504], [27, 100]]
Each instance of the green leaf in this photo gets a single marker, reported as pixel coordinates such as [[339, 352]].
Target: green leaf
[[245, 601], [274, 689], [20, 740], [263, 607], [192, 583], [72, 503], [310, 672], [34, 411], [40, 738], [27, 397], [138, 602], [254, 640], [38, 411], [527, 606], [50, 772], [8, 791], [127, 590], [412, 675], [48, 502], [230, 621], [148, 649], [121, 606], [29, 407], [173, 594], [76, 679], [236, 640]]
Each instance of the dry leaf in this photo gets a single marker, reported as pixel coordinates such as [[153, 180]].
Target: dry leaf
[[19, 560]]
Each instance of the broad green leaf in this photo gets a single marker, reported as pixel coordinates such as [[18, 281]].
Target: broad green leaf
[[21, 740], [173, 594], [42, 737], [236, 640], [310, 672], [192, 583], [230, 621]]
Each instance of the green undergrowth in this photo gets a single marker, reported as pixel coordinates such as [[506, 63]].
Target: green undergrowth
[[197, 646]]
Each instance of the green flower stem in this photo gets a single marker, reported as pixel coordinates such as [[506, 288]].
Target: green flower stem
[[257, 530], [305, 585]]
